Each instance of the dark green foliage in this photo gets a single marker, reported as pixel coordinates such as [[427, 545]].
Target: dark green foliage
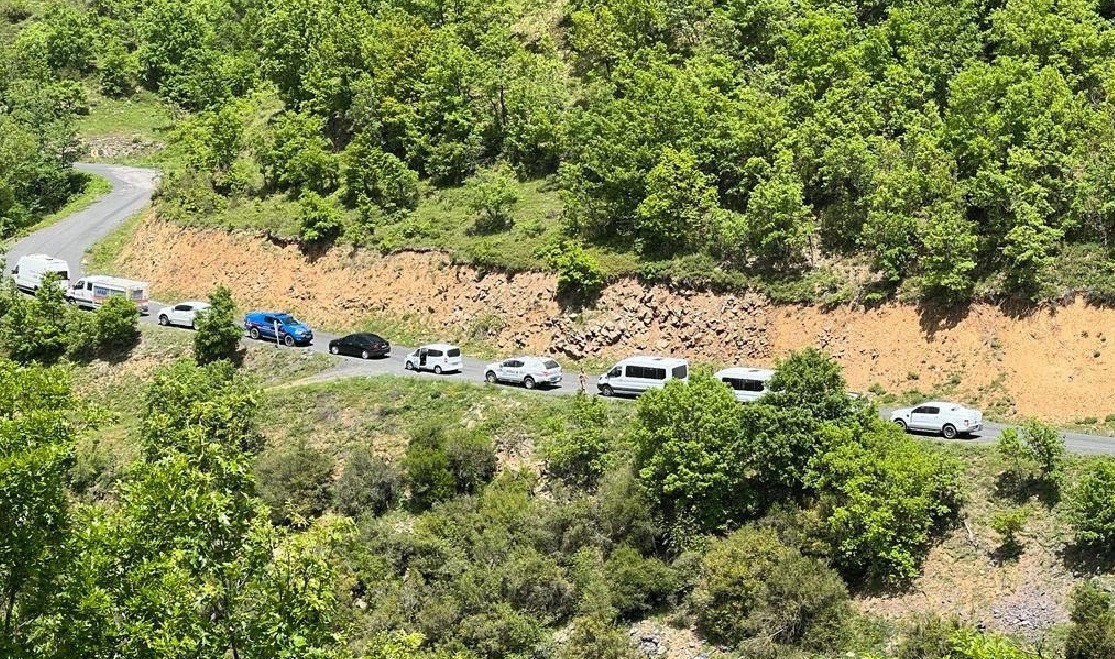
[[1092, 634], [1037, 448], [373, 177], [754, 590], [368, 485], [1093, 505], [117, 324], [37, 330], [295, 482], [584, 444], [638, 584], [580, 276], [439, 464], [319, 218], [593, 637], [296, 156], [218, 336], [928, 637], [493, 200]]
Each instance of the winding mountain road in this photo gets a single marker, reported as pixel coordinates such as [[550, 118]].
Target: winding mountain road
[[132, 189]]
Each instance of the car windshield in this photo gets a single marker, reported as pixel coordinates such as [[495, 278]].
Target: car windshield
[[454, 352], [289, 320], [550, 364]]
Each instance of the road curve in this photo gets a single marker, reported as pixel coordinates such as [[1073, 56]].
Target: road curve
[[132, 189]]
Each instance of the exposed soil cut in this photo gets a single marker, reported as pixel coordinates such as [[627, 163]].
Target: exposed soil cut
[[1053, 362]]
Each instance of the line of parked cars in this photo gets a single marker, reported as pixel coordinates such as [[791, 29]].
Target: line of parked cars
[[631, 376]]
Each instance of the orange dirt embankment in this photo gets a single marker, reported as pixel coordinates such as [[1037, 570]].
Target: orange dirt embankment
[[1053, 362]]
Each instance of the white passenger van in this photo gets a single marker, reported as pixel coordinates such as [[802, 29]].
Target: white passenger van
[[29, 271], [635, 375], [92, 291], [748, 384]]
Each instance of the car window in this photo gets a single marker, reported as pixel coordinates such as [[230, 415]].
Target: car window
[[550, 364], [919, 410], [433, 353], [288, 320], [615, 372], [752, 385], [735, 384], [454, 352], [932, 410], [679, 372], [182, 307]]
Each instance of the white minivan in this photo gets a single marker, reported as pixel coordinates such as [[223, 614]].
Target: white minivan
[[748, 384], [635, 375], [29, 271], [437, 357]]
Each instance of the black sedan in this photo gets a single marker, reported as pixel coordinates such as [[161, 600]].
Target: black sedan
[[364, 346]]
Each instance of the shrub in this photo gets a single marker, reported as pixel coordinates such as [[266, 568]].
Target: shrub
[[1093, 505], [319, 219], [1009, 524], [472, 461], [294, 481], [584, 445], [580, 276], [296, 155], [429, 474], [116, 324], [117, 68], [371, 176], [218, 336], [812, 381], [752, 587], [928, 638], [595, 637], [1092, 634], [967, 643], [1039, 447], [37, 330], [638, 584], [368, 484], [882, 499], [492, 200]]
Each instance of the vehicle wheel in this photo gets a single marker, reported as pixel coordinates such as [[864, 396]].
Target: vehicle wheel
[[949, 431], [902, 425], [254, 333], [437, 370], [334, 350], [408, 366], [364, 355], [164, 321], [528, 383], [606, 390], [490, 377], [288, 341]]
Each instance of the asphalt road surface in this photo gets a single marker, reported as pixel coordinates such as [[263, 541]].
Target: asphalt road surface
[[131, 192]]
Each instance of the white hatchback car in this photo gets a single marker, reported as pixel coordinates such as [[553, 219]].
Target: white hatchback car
[[530, 372], [437, 357], [949, 419], [183, 315]]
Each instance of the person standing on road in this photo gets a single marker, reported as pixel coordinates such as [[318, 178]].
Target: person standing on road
[[584, 379]]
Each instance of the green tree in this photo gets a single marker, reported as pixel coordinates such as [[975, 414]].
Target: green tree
[[319, 218], [778, 223], [1092, 634], [36, 452], [493, 199], [676, 215], [218, 336], [373, 177], [1038, 447], [117, 324], [297, 156], [1093, 505], [368, 485], [295, 481]]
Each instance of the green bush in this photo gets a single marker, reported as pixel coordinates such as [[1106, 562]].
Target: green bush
[[429, 473], [295, 482], [492, 200], [319, 219], [1092, 634], [595, 637], [1039, 447], [638, 584], [584, 444], [754, 589], [39, 329], [928, 637], [297, 156], [218, 335], [579, 275], [1010, 524], [472, 461], [117, 324], [882, 499], [117, 68], [968, 643], [368, 484], [1093, 505], [371, 176]]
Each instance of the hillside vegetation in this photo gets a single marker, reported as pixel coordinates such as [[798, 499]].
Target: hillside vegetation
[[956, 148]]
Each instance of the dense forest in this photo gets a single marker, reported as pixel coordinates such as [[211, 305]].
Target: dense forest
[[954, 148]]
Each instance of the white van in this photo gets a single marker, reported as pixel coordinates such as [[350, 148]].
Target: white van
[[748, 384], [29, 271], [635, 375], [437, 357], [92, 291]]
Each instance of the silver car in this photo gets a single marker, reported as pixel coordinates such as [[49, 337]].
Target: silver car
[[183, 315], [530, 372]]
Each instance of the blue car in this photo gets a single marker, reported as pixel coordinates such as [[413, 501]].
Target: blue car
[[276, 326]]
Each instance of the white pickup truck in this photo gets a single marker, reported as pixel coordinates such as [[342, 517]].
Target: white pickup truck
[[949, 419], [92, 291]]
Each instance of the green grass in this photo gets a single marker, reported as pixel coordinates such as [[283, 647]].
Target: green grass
[[102, 257], [142, 116]]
